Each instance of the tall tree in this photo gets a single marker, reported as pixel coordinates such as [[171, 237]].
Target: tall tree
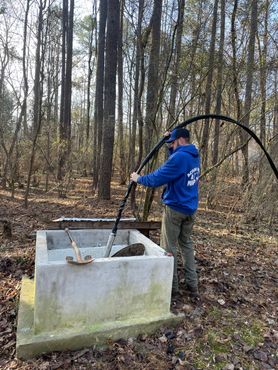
[[205, 134], [152, 93], [174, 79], [263, 72], [248, 89], [23, 105], [120, 99], [153, 73], [66, 90], [234, 61], [113, 10], [219, 83], [37, 115], [139, 71], [275, 113], [98, 114], [89, 82]]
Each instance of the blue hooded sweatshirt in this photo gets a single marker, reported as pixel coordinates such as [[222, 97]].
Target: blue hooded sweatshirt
[[181, 173]]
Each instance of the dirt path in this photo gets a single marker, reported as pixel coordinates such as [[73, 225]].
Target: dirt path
[[233, 327]]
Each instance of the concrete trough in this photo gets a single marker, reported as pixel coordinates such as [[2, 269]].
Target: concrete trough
[[72, 306]]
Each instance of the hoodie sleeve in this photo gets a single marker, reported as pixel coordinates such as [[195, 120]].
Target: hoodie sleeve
[[169, 171]]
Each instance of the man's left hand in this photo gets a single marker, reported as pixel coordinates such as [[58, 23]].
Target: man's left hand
[[134, 176]]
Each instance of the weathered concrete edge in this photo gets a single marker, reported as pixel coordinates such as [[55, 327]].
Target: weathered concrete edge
[[29, 345]]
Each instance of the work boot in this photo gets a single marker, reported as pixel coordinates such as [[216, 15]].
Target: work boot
[[193, 291]]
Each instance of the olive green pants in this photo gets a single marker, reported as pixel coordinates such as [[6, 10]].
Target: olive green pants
[[176, 232]]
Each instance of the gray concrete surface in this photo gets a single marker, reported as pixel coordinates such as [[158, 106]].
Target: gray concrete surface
[[105, 292]]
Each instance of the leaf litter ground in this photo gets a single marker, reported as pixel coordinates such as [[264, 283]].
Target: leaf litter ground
[[233, 326]]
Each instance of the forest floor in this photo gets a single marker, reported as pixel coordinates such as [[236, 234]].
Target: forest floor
[[234, 326]]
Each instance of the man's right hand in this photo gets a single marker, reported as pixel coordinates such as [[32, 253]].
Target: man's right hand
[[134, 176]]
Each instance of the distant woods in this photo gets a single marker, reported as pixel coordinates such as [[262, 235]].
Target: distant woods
[[88, 91]]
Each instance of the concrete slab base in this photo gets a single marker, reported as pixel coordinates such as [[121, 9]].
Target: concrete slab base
[[30, 344]]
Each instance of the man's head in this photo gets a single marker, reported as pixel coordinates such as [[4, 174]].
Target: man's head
[[179, 136]]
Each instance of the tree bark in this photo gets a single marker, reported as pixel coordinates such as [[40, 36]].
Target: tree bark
[[263, 74], [174, 80], [65, 109], [234, 61], [152, 91], [248, 90], [88, 90], [137, 96], [205, 134], [121, 138], [98, 115], [37, 99], [219, 84], [152, 94], [275, 113], [109, 99]]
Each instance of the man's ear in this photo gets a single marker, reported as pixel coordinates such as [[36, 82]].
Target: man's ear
[[182, 141]]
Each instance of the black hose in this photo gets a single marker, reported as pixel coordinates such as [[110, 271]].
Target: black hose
[[229, 119], [161, 142], [132, 183]]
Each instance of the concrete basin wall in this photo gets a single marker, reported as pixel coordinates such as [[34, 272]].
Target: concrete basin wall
[[108, 289]]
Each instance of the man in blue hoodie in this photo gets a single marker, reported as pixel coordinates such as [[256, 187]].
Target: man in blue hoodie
[[180, 173]]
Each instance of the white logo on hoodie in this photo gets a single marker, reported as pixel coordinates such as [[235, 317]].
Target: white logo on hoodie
[[193, 176]]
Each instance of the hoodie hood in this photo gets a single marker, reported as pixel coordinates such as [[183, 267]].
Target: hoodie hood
[[190, 149]]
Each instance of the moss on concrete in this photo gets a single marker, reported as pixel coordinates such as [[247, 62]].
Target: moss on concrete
[[30, 344]]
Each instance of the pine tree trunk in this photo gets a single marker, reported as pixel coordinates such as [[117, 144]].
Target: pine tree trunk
[[109, 99], [205, 134], [263, 75], [98, 115], [174, 82], [121, 137], [37, 101], [88, 94], [136, 98], [248, 90], [234, 60], [152, 94], [219, 84], [152, 91]]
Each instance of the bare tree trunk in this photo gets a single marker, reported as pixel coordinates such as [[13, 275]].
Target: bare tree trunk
[[153, 82], [37, 99], [140, 94], [62, 129], [152, 94], [68, 82], [195, 38], [49, 102], [205, 134], [9, 163], [248, 90], [174, 80], [235, 71], [136, 99], [98, 115], [275, 113], [219, 84], [88, 91], [65, 109], [109, 99], [121, 140], [263, 75]]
